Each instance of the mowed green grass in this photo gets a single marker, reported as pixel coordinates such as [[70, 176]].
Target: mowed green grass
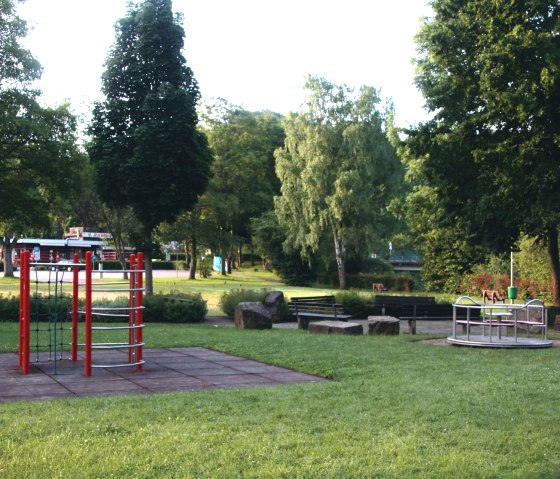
[[395, 408]]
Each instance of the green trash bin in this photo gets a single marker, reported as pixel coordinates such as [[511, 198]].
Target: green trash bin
[[512, 292]]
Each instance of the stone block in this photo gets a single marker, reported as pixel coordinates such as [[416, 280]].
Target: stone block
[[252, 315], [336, 327], [383, 325]]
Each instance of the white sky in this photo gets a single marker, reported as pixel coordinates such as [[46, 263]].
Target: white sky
[[253, 53]]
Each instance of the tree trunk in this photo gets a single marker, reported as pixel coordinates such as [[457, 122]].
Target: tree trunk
[[239, 252], [149, 284], [7, 248], [554, 263], [224, 262], [339, 251], [114, 224], [194, 258]]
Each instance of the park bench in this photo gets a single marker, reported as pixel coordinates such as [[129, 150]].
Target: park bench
[[433, 312], [310, 308], [386, 305]]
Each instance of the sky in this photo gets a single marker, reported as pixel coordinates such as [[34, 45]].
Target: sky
[[253, 53]]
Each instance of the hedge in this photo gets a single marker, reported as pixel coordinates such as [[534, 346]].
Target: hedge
[[112, 265], [174, 308]]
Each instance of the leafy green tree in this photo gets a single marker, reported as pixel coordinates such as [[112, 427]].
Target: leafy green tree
[[490, 72], [146, 149], [40, 163], [194, 231], [243, 180], [338, 173], [269, 238]]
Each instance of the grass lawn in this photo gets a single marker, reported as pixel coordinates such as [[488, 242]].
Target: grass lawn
[[395, 409]]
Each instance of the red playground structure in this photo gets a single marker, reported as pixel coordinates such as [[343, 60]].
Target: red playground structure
[[46, 306]]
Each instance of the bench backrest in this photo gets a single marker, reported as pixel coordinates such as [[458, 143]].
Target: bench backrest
[[386, 300], [444, 311], [314, 299], [316, 307]]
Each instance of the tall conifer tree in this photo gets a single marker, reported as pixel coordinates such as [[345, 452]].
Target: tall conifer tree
[[145, 146]]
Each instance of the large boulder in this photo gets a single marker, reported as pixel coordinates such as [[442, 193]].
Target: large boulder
[[252, 315], [383, 325], [274, 303]]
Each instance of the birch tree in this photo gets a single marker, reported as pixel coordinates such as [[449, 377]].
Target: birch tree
[[338, 173]]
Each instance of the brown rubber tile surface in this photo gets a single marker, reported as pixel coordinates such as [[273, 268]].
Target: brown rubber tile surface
[[166, 370]]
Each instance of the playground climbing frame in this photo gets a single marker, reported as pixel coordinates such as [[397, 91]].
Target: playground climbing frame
[[130, 313]]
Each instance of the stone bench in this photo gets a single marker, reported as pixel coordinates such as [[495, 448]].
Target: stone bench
[[336, 327]]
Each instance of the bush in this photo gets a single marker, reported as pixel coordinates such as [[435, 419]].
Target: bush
[[205, 267], [9, 308], [356, 304], [175, 308], [111, 265], [41, 307], [159, 308], [230, 299]]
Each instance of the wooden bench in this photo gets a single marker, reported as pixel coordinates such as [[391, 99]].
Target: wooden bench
[[385, 305], [311, 308], [433, 312]]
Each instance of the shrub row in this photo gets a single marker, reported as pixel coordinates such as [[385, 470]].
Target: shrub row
[[475, 283], [159, 308], [112, 265]]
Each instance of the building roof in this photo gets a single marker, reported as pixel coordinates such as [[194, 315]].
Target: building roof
[[72, 243]]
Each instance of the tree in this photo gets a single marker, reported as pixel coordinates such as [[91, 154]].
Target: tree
[[146, 149], [490, 72], [243, 180], [338, 173], [40, 164], [269, 238]]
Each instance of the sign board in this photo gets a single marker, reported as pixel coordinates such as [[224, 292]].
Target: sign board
[[91, 234], [217, 263]]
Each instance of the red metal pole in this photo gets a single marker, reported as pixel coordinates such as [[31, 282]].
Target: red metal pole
[[75, 291], [21, 316], [25, 311], [89, 262], [139, 312], [131, 304]]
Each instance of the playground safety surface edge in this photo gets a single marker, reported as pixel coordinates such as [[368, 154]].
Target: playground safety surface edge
[[166, 370]]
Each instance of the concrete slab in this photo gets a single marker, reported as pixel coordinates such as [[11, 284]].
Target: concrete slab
[[166, 370]]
